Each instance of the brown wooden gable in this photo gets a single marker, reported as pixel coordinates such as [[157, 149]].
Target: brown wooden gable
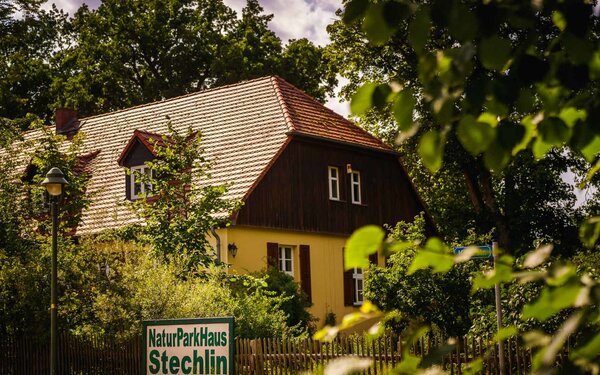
[[294, 194]]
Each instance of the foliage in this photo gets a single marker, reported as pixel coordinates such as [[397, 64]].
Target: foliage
[[182, 208], [29, 38], [440, 299], [294, 303], [132, 52], [525, 79], [138, 286], [52, 150], [524, 198]]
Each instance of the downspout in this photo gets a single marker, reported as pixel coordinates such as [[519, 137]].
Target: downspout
[[214, 233]]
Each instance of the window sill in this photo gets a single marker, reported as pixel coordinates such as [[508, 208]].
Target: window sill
[[357, 304]]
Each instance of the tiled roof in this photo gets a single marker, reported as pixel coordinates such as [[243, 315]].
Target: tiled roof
[[243, 126], [305, 115]]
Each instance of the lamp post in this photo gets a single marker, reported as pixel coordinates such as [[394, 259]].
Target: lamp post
[[54, 183]]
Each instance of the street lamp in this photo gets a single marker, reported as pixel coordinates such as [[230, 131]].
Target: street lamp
[[54, 183]]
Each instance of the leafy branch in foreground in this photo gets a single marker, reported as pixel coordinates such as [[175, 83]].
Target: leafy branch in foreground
[[182, 208]]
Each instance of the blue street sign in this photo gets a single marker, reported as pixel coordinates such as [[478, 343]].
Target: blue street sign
[[485, 252]]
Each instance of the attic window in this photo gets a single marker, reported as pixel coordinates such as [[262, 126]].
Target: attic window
[[139, 188]]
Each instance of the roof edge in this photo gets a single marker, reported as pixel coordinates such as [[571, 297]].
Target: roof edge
[[388, 151]]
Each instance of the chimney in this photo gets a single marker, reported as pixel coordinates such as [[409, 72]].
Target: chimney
[[66, 122]]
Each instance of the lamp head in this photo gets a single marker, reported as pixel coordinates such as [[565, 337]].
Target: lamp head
[[232, 248], [54, 182]]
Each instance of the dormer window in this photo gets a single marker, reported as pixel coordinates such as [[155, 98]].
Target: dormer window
[[138, 187], [139, 150]]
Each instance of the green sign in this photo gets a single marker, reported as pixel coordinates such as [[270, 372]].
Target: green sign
[[188, 346]]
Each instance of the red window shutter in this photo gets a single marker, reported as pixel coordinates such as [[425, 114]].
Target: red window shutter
[[305, 271], [373, 259], [348, 285], [272, 255]]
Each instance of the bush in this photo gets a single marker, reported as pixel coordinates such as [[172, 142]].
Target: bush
[[295, 302], [142, 287]]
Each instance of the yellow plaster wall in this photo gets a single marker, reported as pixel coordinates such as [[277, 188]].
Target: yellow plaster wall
[[326, 262]]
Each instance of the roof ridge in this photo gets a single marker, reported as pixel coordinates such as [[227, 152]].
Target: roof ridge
[[199, 92], [282, 103]]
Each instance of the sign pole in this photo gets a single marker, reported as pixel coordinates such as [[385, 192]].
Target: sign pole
[[498, 313]]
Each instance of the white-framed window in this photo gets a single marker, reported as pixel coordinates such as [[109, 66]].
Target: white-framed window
[[137, 186], [359, 279], [355, 186], [286, 260], [334, 183]]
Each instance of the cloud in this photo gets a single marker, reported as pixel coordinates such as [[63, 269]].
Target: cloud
[[71, 6]]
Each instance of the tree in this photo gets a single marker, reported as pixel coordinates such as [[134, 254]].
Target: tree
[[461, 191], [442, 300], [182, 209], [131, 52], [510, 78], [29, 38]]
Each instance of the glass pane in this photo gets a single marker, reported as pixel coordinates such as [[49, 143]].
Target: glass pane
[[288, 265], [288, 253], [355, 193]]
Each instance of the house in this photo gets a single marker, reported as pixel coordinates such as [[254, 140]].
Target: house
[[307, 176]]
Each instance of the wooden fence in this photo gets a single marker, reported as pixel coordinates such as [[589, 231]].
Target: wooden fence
[[292, 356], [30, 356]]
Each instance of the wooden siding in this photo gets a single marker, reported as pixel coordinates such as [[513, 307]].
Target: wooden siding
[[294, 193]]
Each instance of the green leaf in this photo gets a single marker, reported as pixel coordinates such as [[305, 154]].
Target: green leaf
[[502, 272], [510, 134], [475, 136], [551, 301], [589, 231], [570, 115], [363, 242], [370, 95], [403, 109], [494, 52], [354, 10], [462, 23], [505, 333], [554, 131], [431, 150], [435, 254], [495, 157], [362, 101], [595, 66], [530, 128], [559, 20], [488, 118], [375, 25], [589, 350], [540, 148], [408, 365], [418, 31], [590, 150], [578, 48]]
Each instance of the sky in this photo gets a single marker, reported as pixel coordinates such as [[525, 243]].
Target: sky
[[293, 19]]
